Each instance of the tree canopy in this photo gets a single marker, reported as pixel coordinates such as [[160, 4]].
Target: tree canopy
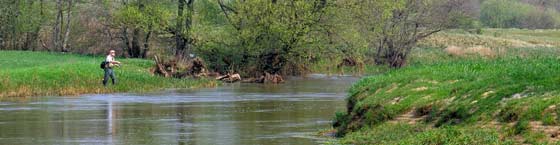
[[257, 36]]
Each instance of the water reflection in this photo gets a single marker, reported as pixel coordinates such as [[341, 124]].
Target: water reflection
[[233, 114]]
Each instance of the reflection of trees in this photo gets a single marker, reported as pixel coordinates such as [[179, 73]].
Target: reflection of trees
[[138, 124], [76, 121], [235, 122], [53, 122]]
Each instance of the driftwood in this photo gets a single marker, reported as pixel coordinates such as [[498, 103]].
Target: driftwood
[[196, 68], [266, 78], [348, 62], [165, 69], [179, 69], [275, 78], [229, 78], [351, 62]]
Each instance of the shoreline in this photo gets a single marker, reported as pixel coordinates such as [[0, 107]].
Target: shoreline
[[55, 74]]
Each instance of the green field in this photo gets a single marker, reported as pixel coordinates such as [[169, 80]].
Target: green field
[[510, 97], [26, 74]]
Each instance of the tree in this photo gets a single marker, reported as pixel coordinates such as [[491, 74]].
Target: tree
[[34, 24], [144, 18], [397, 26], [183, 28], [57, 25], [60, 42], [67, 33], [276, 36], [20, 22], [9, 15]]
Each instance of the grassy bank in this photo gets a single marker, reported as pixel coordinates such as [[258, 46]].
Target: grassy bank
[[46, 74], [511, 95], [467, 97]]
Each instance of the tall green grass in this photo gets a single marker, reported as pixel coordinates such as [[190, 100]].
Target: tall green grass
[[422, 134], [463, 99], [46, 74], [460, 93]]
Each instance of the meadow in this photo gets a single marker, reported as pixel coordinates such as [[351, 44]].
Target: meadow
[[25, 74]]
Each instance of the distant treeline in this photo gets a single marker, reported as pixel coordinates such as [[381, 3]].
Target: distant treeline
[[532, 14], [256, 36]]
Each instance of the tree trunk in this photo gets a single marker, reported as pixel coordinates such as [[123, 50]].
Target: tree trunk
[[188, 23], [394, 51], [67, 33], [182, 32], [135, 43], [396, 59], [14, 29], [126, 41], [38, 29], [57, 24], [180, 45], [34, 38], [136, 48], [28, 41], [147, 43], [29, 36], [143, 52]]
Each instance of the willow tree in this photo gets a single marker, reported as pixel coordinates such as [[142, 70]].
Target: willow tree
[[395, 26], [274, 36]]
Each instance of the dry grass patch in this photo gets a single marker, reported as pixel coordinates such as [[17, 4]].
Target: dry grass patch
[[470, 40], [476, 50]]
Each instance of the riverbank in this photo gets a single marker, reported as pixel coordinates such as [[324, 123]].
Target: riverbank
[[498, 87], [486, 101], [25, 74]]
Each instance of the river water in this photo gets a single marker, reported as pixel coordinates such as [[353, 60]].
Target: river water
[[240, 114]]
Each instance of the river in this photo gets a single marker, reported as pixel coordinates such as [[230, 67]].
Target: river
[[238, 114]]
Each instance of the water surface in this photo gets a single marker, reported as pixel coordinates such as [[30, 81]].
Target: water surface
[[290, 113]]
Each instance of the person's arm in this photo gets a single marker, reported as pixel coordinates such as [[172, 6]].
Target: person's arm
[[112, 60]]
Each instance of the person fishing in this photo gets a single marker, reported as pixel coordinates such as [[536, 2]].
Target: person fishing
[[108, 65]]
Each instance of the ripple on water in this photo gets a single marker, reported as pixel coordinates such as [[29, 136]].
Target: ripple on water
[[18, 108], [289, 113]]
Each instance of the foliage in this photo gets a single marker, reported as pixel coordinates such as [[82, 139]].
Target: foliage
[[271, 36], [20, 22], [29, 18], [394, 28], [279, 36], [150, 17]]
